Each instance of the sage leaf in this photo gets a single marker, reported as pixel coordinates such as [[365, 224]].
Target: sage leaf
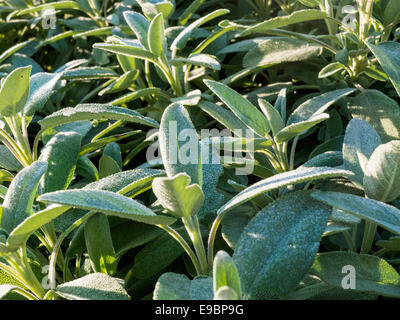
[[274, 243]]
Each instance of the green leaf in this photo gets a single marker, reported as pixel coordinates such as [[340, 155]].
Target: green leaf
[[106, 202], [297, 128], [282, 180], [200, 59], [53, 5], [40, 89], [95, 286], [274, 51], [226, 293], [151, 9], [126, 50], [135, 95], [21, 193], [99, 244], [382, 173], [189, 11], [388, 57], [225, 273], [157, 255], [8, 161], [108, 166], [279, 22], [94, 112], [317, 105], [122, 83], [61, 154], [31, 224], [126, 182], [181, 40], [380, 111], [14, 91], [156, 38], [276, 243], [178, 196], [275, 121], [174, 286], [192, 98], [360, 141], [139, 25], [241, 107], [372, 274], [85, 73], [391, 12], [113, 150], [225, 117], [384, 215], [177, 154], [330, 70]]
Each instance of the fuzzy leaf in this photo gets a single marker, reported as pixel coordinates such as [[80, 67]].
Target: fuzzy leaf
[[106, 202], [274, 253]]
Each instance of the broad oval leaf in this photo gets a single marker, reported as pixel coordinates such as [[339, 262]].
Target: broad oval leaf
[[372, 274], [95, 286], [139, 25], [14, 91], [275, 243], [61, 154], [156, 38], [177, 154], [106, 202], [360, 141], [21, 193], [40, 88], [225, 273], [382, 173]]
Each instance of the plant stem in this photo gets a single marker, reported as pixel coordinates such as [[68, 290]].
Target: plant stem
[[369, 235], [172, 232]]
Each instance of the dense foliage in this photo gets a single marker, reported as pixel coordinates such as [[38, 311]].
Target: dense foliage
[[206, 149]]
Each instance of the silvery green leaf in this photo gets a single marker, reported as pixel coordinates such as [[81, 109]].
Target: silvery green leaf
[[95, 112], [317, 105], [380, 111], [95, 286], [382, 173], [282, 180], [178, 196], [225, 273], [14, 91], [241, 107], [174, 286], [372, 274], [156, 38], [300, 127], [274, 253], [21, 193], [274, 118], [275, 51], [179, 153], [200, 59], [360, 141], [106, 202], [282, 21], [388, 57], [41, 86], [181, 40], [139, 25], [384, 215]]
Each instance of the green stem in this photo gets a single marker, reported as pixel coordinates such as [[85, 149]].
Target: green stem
[[172, 232], [369, 236]]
